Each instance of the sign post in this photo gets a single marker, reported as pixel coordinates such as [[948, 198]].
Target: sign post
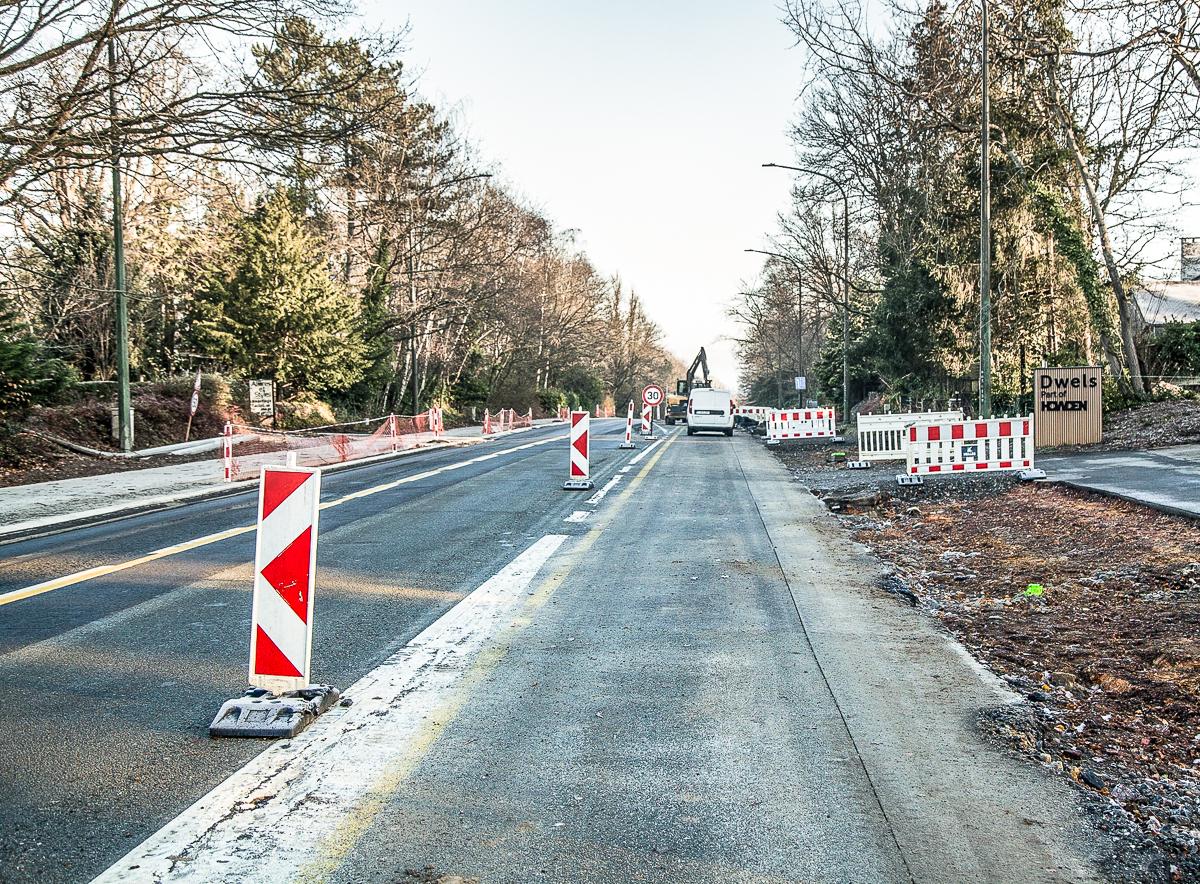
[[187, 433], [652, 395]]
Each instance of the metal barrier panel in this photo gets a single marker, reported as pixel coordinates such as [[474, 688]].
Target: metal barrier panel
[[883, 436], [808, 423], [968, 446]]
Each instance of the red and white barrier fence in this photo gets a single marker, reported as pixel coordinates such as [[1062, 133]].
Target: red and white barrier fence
[[754, 412], [506, 420], [628, 442], [322, 446], [579, 469], [800, 423], [885, 436], [285, 559], [968, 446]]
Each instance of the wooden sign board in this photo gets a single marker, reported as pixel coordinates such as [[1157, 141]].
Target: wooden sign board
[[1068, 406]]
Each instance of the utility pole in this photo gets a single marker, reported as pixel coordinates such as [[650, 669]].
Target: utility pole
[[985, 233], [799, 314], [124, 429]]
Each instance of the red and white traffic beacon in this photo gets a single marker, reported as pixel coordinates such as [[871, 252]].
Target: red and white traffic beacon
[[281, 702], [579, 478], [652, 395], [628, 442]]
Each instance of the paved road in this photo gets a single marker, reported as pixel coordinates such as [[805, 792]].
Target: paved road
[[692, 678], [1166, 478], [109, 684]]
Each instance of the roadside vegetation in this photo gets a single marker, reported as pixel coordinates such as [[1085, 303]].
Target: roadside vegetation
[[293, 210], [1095, 110]]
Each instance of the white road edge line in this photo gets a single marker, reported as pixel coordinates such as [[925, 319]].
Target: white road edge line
[[599, 495], [268, 818], [577, 516], [187, 545], [642, 454]]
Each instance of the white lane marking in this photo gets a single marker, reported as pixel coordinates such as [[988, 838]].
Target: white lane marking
[[267, 819], [644, 452], [599, 495], [17, 595], [624, 469], [577, 516]]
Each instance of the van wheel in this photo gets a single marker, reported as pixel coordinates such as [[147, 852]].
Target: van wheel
[[691, 431], [729, 432]]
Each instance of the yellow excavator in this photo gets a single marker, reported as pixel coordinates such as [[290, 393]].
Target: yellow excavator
[[677, 401]]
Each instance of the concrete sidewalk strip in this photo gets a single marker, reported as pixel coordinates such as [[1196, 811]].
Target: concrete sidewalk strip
[[909, 694]]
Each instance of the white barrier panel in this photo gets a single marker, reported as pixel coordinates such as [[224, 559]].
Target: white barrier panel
[[968, 446], [806, 423], [628, 443], [285, 558], [883, 436]]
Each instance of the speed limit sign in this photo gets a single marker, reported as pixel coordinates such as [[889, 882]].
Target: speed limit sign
[[652, 394]]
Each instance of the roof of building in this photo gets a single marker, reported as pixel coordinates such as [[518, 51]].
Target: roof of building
[[1161, 302]]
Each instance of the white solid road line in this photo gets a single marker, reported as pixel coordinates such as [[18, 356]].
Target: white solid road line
[[599, 495], [644, 452], [265, 822], [17, 595]]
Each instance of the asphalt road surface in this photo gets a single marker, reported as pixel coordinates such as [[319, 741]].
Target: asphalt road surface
[[688, 676]]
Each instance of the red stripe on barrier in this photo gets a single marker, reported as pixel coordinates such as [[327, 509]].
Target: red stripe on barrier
[[912, 434], [1026, 463], [956, 431], [935, 469], [278, 486], [1025, 429], [981, 466], [1005, 428], [981, 431], [958, 466], [288, 572], [1006, 464], [935, 434], [269, 660]]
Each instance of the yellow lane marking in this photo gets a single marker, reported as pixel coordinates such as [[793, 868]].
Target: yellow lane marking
[[341, 843], [36, 589]]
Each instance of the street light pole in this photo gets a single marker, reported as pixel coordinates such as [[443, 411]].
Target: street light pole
[[799, 305], [845, 277], [985, 233], [124, 429]]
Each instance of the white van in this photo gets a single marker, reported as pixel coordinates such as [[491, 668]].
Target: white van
[[710, 410]]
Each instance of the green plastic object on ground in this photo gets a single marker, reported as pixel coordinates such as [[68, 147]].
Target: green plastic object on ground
[[1034, 589]]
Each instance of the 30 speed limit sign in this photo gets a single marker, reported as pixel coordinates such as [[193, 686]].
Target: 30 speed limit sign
[[652, 394]]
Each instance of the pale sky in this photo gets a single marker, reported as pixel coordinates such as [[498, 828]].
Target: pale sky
[[642, 125]]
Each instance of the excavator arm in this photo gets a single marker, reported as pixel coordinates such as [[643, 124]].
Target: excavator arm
[[684, 387]]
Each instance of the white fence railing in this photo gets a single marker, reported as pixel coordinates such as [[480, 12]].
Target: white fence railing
[[882, 436]]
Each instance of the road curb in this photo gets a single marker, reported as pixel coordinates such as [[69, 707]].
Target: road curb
[[161, 504], [1164, 508]]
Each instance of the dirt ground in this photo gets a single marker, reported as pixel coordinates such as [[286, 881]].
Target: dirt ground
[[1156, 425], [1107, 652]]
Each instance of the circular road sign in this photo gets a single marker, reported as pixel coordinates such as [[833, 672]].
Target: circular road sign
[[653, 394]]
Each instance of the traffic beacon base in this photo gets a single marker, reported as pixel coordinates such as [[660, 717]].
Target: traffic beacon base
[[262, 714], [281, 701]]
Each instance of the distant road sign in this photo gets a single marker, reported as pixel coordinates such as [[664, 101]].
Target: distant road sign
[[653, 394], [262, 398], [801, 382]]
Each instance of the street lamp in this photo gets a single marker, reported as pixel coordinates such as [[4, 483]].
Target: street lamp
[[985, 233], [799, 304], [845, 277]]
